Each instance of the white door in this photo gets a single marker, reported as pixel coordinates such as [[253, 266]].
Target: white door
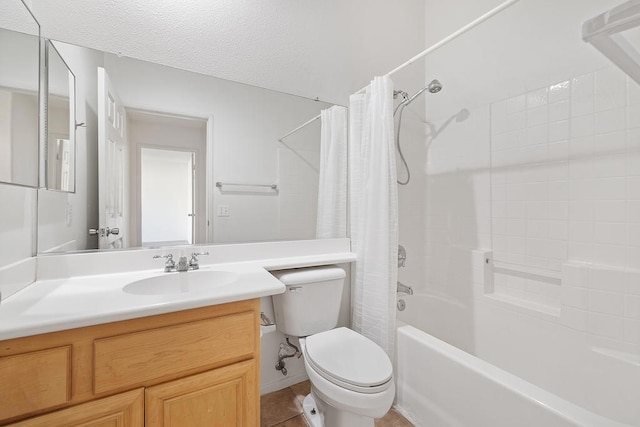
[[112, 166]]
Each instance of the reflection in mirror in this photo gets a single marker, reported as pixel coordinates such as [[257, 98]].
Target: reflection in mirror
[[19, 83], [19, 80], [138, 112], [60, 160]]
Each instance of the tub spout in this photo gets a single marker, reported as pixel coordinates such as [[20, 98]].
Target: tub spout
[[404, 289]]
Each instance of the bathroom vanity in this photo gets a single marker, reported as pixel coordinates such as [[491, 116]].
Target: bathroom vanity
[[192, 367]]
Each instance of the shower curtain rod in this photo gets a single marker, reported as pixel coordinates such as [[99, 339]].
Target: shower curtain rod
[[299, 127], [450, 37]]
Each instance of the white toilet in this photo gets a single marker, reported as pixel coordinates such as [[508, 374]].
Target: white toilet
[[351, 376]]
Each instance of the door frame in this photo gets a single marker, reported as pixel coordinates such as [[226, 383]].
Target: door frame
[[203, 224]]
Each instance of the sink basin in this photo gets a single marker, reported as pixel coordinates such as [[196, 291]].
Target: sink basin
[[181, 283]]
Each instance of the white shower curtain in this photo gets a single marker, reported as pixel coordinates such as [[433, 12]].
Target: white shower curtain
[[374, 212], [332, 189]]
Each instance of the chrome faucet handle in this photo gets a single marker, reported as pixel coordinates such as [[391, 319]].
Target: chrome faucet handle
[[404, 289], [170, 264], [193, 262]]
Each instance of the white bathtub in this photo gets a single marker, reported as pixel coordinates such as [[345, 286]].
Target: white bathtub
[[441, 385]]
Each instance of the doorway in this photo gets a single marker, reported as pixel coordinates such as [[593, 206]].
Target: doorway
[[167, 196], [168, 164]]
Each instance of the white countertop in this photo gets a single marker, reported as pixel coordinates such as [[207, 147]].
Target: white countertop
[[67, 303]]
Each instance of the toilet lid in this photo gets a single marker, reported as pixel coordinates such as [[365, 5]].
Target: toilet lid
[[349, 357]]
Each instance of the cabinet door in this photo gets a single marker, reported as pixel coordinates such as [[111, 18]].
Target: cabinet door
[[121, 410], [223, 397]]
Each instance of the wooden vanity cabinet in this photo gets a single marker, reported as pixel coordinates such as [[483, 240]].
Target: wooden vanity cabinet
[[193, 368]]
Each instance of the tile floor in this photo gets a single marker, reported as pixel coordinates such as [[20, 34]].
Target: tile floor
[[283, 408]]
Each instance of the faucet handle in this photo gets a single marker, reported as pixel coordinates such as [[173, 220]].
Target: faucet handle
[[169, 264], [193, 262]]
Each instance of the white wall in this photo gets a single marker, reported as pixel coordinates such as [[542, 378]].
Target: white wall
[[532, 153], [326, 50]]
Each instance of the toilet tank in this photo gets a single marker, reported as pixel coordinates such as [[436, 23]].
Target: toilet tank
[[311, 303]]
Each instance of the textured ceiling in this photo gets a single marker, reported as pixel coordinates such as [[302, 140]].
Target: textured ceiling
[[313, 48]]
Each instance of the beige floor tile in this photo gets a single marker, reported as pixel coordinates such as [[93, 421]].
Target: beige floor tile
[[393, 419], [298, 421], [301, 390], [278, 406]]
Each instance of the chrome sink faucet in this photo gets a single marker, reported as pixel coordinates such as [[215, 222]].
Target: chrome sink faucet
[[183, 264]]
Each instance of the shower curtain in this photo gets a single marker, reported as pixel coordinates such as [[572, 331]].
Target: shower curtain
[[332, 189], [374, 212]]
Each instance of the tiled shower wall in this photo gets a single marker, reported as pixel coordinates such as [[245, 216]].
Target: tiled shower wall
[[565, 185]]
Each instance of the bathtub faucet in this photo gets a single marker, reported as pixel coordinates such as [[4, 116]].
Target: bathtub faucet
[[404, 289]]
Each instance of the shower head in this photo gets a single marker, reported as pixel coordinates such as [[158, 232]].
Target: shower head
[[434, 87]]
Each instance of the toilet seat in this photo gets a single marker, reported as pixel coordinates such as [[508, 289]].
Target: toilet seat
[[349, 360]]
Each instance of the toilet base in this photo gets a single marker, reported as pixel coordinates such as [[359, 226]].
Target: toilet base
[[320, 414], [310, 411]]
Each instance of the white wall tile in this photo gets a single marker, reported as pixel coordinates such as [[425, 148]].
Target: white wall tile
[[574, 318], [605, 325], [633, 139], [633, 234], [582, 95], [632, 306], [537, 116], [633, 210], [610, 89], [632, 282], [610, 142], [633, 116], [498, 117], [610, 210], [516, 121], [633, 92], [606, 302], [633, 257], [611, 233], [559, 131], [632, 331], [560, 111], [516, 104], [576, 275], [537, 98], [582, 126], [559, 91], [633, 188], [612, 255], [574, 296], [607, 279]]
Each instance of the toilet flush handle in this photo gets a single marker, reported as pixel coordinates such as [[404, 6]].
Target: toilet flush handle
[[295, 289]]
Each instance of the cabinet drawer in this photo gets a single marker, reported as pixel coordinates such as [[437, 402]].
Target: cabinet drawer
[[151, 356], [34, 381]]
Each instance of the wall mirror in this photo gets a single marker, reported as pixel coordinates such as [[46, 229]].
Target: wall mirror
[[60, 142], [170, 157], [19, 86]]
